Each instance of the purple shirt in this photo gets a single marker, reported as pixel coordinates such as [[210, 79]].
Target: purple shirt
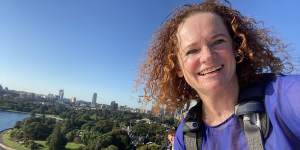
[[282, 102]]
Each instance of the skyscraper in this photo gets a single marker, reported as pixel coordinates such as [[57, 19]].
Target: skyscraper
[[94, 100], [61, 95], [73, 99], [114, 105], [143, 104]]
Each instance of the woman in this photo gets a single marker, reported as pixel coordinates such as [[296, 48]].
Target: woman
[[211, 52]]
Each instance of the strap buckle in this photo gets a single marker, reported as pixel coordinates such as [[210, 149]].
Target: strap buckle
[[249, 107], [191, 127]]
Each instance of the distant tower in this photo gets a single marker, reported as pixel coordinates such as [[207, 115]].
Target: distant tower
[[94, 100], [114, 105], [143, 104], [73, 100], [61, 95]]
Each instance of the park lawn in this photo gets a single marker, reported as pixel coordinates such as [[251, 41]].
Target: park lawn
[[10, 143], [45, 147], [69, 146], [73, 146]]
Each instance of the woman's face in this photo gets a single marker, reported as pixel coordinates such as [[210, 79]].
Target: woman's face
[[205, 54]]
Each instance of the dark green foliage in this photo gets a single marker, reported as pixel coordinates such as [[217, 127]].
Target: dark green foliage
[[32, 145], [34, 128], [118, 138], [71, 135], [17, 134], [68, 125], [143, 133], [97, 129], [103, 126], [170, 121], [89, 137], [57, 141], [18, 124], [151, 146]]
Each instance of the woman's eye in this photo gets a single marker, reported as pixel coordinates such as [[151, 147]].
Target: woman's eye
[[192, 51], [219, 41]]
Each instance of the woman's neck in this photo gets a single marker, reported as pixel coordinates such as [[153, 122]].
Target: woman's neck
[[220, 106]]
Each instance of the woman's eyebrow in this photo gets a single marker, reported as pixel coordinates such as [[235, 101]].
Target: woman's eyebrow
[[190, 46], [219, 35]]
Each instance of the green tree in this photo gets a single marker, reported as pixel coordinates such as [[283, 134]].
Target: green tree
[[57, 141], [32, 145], [70, 136], [103, 126], [117, 137], [151, 146], [67, 126], [38, 128], [88, 137], [36, 131]]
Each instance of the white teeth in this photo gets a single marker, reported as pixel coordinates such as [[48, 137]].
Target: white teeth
[[210, 70]]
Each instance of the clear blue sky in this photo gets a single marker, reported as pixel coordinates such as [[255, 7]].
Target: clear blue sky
[[86, 46]]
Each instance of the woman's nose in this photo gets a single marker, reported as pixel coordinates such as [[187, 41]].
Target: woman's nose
[[206, 54]]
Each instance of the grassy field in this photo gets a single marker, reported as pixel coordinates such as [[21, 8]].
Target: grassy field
[[10, 143], [45, 147], [73, 146]]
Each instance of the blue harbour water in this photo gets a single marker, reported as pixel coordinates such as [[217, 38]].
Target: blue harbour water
[[8, 119]]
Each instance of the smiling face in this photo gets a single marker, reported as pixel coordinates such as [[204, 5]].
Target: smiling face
[[205, 53]]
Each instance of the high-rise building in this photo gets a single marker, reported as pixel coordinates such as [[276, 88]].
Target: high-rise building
[[94, 100], [61, 95], [73, 99], [50, 96], [114, 105], [143, 104]]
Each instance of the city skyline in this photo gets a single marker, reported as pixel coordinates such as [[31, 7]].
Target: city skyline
[[97, 46], [50, 99], [59, 94]]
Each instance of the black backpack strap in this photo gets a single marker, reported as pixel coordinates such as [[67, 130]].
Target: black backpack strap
[[192, 140], [249, 117], [260, 119], [252, 115], [192, 129]]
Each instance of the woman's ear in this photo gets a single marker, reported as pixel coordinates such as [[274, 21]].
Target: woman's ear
[[178, 68], [179, 73]]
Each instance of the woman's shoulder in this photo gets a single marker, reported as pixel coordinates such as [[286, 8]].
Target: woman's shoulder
[[283, 102], [285, 83], [283, 88], [287, 78]]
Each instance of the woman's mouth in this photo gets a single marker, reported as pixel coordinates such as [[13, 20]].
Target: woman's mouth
[[210, 70]]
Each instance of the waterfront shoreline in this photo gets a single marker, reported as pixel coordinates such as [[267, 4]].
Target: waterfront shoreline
[[14, 111], [8, 118], [37, 114], [2, 131]]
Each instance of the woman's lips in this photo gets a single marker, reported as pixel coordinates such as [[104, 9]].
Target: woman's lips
[[210, 70]]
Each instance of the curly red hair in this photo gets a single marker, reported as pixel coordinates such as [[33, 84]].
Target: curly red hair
[[254, 45]]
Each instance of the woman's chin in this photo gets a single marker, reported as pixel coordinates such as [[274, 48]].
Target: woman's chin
[[212, 87]]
